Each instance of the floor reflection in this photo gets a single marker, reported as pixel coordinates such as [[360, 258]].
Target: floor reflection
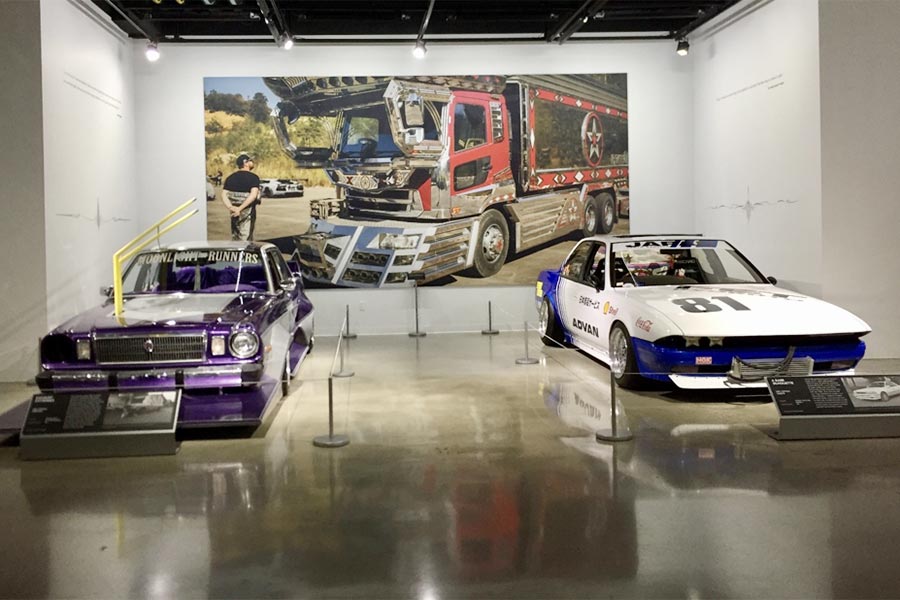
[[489, 485]]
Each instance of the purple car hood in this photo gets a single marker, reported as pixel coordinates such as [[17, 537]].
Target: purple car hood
[[171, 310]]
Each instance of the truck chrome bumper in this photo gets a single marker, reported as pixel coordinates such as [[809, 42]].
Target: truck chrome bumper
[[383, 253]]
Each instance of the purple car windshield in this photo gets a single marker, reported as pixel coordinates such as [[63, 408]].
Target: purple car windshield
[[203, 270]]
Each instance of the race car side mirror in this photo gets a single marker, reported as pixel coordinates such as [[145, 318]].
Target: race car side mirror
[[106, 290], [772, 280]]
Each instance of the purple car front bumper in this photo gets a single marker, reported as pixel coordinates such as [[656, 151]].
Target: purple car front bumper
[[225, 395]]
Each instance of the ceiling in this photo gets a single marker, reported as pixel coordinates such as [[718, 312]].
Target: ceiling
[[373, 21]]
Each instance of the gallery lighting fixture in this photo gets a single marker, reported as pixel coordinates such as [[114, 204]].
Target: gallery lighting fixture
[[420, 50], [683, 47], [277, 24], [590, 9], [152, 51]]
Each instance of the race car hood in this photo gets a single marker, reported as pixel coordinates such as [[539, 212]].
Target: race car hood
[[744, 310], [170, 310]]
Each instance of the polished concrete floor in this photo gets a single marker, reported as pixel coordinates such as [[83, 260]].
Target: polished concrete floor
[[467, 476]]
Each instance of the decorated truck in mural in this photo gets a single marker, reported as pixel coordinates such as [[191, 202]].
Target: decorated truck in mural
[[436, 175]]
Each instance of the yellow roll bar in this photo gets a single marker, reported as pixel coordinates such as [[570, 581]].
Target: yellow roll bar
[[139, 243]]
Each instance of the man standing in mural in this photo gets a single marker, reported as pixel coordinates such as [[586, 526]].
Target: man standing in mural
[[240, 194]]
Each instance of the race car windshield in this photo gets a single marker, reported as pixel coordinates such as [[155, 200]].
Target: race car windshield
[[204, 271], [680, 262]]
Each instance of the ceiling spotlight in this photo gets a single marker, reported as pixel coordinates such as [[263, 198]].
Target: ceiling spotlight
[[683, 47], [287, 41], [420, 50], [152, 52]]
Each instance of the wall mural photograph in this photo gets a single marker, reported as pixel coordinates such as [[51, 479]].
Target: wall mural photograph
[[445, 180]]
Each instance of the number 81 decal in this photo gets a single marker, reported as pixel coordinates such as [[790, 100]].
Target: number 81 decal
[[702, 305]]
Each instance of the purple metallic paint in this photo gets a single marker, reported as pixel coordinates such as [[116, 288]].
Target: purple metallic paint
[[207, 399]]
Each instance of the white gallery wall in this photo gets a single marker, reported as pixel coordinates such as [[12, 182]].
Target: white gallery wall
[[23, 316], [170, 145], [860, 60], [90, 197], [757, 166]]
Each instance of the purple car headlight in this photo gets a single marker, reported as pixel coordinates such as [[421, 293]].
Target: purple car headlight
[[217, 346], [83, 348], [57, 348], [244, 344]]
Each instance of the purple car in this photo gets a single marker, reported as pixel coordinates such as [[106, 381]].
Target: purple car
[[224, 322]]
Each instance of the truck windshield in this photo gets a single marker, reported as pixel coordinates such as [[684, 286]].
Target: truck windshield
[[366, 134]]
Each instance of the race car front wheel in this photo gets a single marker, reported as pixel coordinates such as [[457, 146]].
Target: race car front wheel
[[551, 332], [621, 357]]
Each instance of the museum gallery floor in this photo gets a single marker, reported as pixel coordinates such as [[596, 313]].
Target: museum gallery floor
[[469, 476]]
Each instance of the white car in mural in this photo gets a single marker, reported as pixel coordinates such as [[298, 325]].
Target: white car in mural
[[880, 390], [272, 188], [692, 311]]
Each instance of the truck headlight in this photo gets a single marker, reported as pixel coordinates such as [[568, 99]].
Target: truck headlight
[[396, 241], [244, 344], [83, 349]]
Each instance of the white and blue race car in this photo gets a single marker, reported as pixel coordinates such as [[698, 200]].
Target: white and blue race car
[[692, 311]]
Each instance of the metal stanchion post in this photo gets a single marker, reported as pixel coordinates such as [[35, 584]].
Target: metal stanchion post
[[331, 440], [416, 333], [347, 334], [527, 360], [341, 372], [614, 433], [490, 330]]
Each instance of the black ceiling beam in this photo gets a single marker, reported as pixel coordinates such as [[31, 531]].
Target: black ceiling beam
[[140, 27], [331, 21], [576, 20], [705, 15]]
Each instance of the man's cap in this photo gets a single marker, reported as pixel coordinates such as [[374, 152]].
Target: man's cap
[[242, 158]]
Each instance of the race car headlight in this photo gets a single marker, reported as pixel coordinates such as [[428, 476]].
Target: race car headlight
[[396, 241], [217, 346], [244, 344], [83, 349]]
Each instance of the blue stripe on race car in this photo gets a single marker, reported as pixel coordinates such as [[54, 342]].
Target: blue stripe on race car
[[549, 281], [655, 362]]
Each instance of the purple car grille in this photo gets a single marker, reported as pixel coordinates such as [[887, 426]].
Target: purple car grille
[[150, 349]]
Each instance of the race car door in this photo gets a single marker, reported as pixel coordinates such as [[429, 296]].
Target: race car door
[[583, 294]]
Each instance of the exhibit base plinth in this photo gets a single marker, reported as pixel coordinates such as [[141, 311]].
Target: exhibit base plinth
[[831, 427], [331, 441], [52, 447], [100, 424]]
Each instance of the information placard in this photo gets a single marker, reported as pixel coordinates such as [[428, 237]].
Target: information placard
[[80, 424], [815, 407], [821, 395]]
